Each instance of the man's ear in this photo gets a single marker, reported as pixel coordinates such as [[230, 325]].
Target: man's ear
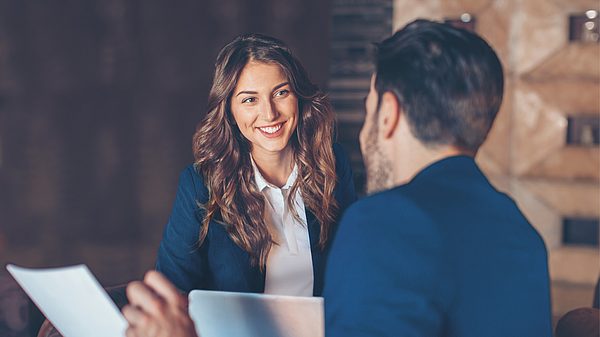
[[389, 114]]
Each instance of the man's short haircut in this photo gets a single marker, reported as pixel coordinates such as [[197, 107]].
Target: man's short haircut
[[448, 81]]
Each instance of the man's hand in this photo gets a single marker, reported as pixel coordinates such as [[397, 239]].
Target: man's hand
[[157, 309]]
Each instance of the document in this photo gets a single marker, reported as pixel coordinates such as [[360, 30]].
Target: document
[[218, 314], [73, 300], [75, 303]]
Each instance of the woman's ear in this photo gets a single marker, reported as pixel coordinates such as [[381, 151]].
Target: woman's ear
[[389, 114]]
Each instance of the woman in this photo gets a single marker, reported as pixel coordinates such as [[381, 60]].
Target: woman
[[258, 209]]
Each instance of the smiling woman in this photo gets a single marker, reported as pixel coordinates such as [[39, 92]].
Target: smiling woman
[[256, 211]]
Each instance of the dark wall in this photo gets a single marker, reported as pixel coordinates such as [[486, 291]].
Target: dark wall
[[99, 101]]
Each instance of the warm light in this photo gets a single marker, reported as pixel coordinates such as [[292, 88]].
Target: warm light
[[591, 14], [465, 17], [589, 25], [587, 135]]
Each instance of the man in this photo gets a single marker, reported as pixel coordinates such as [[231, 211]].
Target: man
[[438, 252], [435, 250]]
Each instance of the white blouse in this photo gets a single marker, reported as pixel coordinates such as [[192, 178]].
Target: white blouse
[[289, 269]]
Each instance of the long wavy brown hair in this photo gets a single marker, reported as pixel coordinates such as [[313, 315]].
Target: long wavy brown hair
[[222, 153]]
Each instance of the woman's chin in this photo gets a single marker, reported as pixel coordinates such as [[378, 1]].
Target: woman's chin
[[274, 146]]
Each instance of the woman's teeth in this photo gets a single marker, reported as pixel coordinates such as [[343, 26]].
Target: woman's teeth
[[271, 129]]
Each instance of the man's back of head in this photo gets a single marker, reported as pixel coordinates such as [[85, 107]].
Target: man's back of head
[[448, 81]]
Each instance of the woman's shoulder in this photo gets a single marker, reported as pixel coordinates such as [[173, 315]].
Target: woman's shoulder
[[192, 180], [341, 157], [345, 191], [338, 150]]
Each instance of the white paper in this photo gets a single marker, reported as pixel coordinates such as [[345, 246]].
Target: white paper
[[72, 300], [218, 314]]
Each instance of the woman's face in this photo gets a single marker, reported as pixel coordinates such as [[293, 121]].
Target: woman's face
[[264, 107]]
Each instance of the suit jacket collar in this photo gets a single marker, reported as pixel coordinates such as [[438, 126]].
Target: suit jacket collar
[[448, 168]]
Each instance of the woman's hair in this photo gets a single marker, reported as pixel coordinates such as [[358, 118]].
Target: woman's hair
[[222, 153]]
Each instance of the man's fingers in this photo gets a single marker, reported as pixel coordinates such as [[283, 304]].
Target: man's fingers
[[145, 298], [134, 315], [140, 323], [157, 309], [165, 289], [131, 332]]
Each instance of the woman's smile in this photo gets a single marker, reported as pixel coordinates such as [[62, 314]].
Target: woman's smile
[[272, 131]]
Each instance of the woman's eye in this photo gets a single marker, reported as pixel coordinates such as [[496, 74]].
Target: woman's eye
[[282, 92], [249, 100]]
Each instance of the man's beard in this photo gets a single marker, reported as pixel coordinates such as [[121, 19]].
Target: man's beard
[[379, 168]]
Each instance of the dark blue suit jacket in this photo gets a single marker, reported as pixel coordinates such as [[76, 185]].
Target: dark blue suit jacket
[[219, 264], [444, 255]]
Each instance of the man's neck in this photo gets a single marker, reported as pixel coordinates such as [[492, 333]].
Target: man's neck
[[415, 160]]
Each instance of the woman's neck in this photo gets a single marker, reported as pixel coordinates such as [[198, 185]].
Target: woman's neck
[[275, 167]]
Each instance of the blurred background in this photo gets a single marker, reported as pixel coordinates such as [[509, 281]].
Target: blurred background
[[99, 101]]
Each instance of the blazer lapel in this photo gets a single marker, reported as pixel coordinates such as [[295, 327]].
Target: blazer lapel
[[314, 231]]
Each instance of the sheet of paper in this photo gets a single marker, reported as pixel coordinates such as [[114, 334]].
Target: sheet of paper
[[73, 300], [218, 314]]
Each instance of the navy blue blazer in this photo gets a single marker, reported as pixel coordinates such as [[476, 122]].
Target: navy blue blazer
[[219, 264], [444, 255]]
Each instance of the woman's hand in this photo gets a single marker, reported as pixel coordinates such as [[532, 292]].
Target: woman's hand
[[157, 309]]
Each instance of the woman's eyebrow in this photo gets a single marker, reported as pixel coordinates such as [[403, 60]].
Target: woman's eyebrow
[[280, 85], [247, 92]]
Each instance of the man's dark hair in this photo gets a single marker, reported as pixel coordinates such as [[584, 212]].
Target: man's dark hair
[[448, 81]]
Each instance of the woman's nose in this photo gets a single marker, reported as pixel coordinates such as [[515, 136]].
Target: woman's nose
[[270, 112]]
